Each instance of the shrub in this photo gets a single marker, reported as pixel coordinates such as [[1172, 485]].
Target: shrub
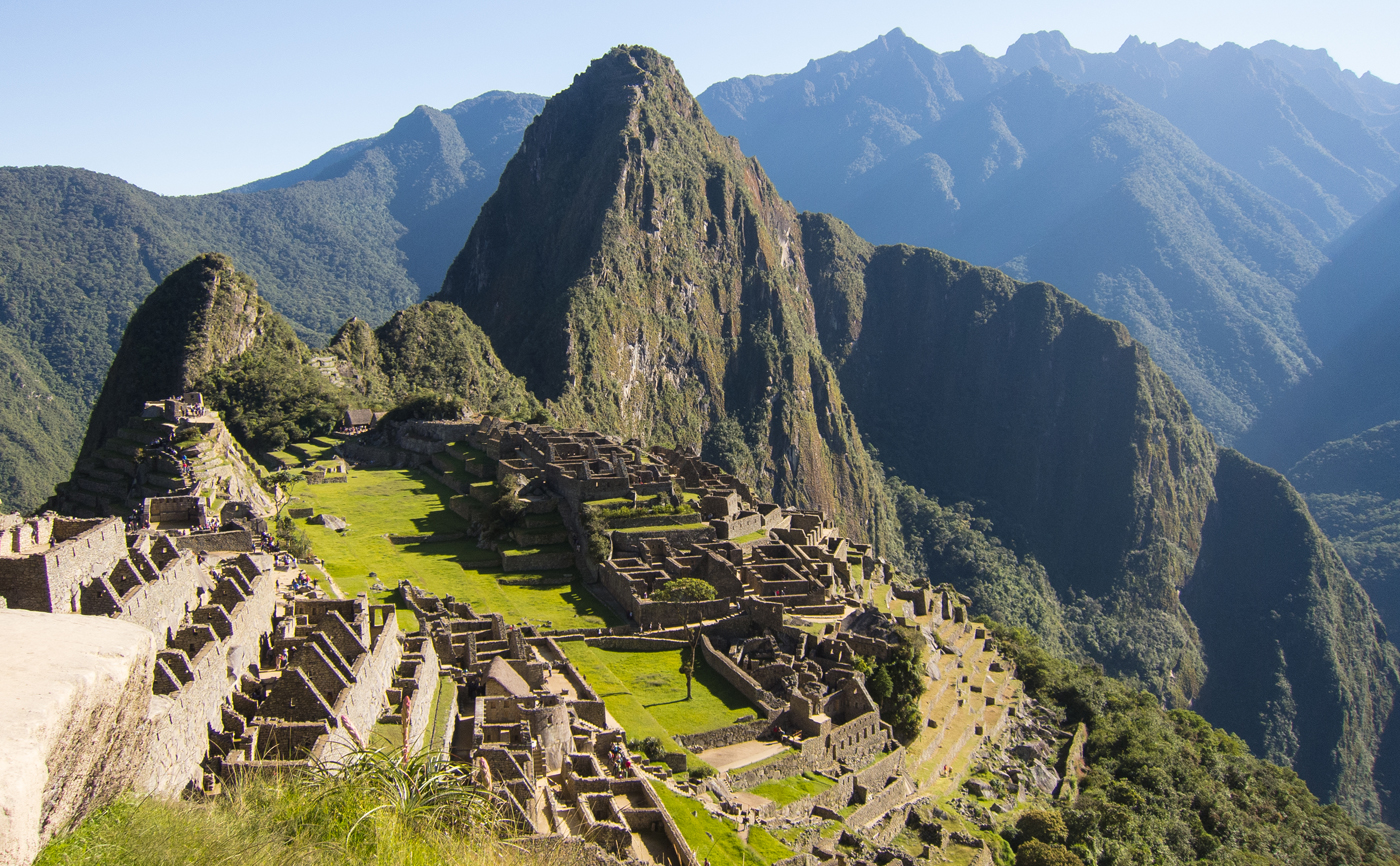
[[373, 808], [685, 589], [1046, 825], [1037, 853]]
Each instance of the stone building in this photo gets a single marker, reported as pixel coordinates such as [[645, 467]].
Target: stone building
[[554, 757]]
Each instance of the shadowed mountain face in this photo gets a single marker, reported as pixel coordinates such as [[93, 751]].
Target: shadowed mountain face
[[644, 277], [1161, 210], [1166, 559], [365, 230]]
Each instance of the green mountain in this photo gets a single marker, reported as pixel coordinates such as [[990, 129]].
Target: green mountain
[[1086, 461], [365, 230], [431, 348], [645, 277], [1353, 491]]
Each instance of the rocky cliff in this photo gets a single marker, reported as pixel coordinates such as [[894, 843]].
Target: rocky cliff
[[645, 277], [1079, 453], [202, 315], [1300, 666]]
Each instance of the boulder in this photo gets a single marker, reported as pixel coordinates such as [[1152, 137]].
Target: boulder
[[1044, 778], [74, 693], [981, 788], [329, 521]]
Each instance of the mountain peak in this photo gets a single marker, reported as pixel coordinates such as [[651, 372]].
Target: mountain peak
[[646, 277], [1047, 49]]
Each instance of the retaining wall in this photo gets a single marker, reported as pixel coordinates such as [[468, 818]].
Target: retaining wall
[[723, 665]]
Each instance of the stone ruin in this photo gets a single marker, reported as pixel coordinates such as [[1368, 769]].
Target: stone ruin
[[174, 447], [533, 726]]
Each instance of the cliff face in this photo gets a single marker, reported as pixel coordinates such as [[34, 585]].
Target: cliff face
[[202, 315], [645, 277], [1299, 662], [981, 388], [1086, 458]]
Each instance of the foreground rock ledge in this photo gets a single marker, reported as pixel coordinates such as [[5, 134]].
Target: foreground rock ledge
[[74, 691]]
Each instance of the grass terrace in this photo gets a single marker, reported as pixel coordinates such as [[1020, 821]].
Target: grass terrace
[[717, 840], [645, 692], [381, 502], [793, 788]]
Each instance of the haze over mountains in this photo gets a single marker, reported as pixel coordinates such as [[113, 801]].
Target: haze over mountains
[[1185, 192]]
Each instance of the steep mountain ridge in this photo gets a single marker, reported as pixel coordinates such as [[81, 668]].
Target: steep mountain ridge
[[1301, 667], [1081, 454], [202, 315], [644, 276]]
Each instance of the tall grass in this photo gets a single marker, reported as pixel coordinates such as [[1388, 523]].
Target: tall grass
[[374, 808]]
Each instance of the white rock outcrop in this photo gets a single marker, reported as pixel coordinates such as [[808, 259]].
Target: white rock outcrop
[[74, 693]]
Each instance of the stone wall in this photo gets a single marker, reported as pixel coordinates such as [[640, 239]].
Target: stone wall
[[74, 692], [726, 736], [180, 721], [737, 677], [233, 540], [790, 764], [877, 804], [631, 542], [161, 605], [836, 797], [51, 581], [426, 677], [635, 643], [363, 699]]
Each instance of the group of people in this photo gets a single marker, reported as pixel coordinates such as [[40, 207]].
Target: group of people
[[301, 583], [619, 759]]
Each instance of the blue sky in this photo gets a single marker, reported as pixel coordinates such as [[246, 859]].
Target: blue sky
[[191, 97]]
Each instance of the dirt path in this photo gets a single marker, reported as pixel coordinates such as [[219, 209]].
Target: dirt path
[[740, 754], [330, 581]]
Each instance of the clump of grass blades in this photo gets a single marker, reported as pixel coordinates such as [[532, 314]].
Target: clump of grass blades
[[372, 808]]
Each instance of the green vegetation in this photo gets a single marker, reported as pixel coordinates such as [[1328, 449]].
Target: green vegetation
[[686, 589], [269, 395], [715, 839], [380, 502], [1165, 787], [568, 278], [1352, 487], [793, 788], [897, 684], [292, 539], [79, 251], [427, 353], [645, 691], [380, 811], [1197, 250]]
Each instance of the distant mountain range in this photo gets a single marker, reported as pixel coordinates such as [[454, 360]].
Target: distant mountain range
[[1160, 210], [1188, 193]]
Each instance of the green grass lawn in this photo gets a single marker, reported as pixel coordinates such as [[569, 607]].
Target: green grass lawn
[[752, 536], [376, 502], [652, 682], [793, 788], [715, 839]]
